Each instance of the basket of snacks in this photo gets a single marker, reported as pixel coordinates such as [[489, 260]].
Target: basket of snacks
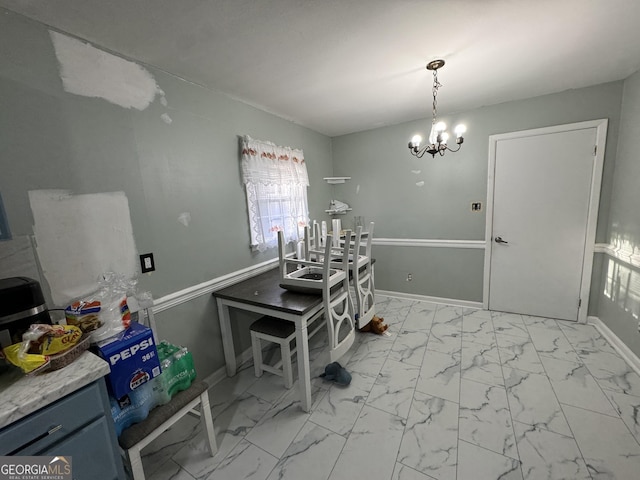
[[47, 347]]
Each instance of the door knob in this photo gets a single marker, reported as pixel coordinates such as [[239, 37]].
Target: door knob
[[500, 240]]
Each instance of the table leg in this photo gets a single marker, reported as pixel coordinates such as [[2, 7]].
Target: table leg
[[227, 337], [304, 374]]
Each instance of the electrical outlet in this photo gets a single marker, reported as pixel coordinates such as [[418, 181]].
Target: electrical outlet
[[409, 277], [146, 263], [476, 206]]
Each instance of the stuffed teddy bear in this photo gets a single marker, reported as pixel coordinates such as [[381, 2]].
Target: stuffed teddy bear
[[376, 325]]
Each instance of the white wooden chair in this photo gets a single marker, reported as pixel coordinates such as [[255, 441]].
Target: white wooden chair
[[363, 283], [361, 268], [314, 241], [134, 438], [305, 276], [337, 313], [338, 305]]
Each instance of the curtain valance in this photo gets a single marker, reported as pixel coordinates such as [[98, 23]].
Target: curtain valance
[[269, 164]]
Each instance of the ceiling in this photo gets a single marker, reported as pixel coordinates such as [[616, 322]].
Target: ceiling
[[341, 66]]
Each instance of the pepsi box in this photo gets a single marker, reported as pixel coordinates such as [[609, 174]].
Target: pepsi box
[[132, 357]]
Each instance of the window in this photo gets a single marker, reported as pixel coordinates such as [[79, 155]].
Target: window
[[276, 182]]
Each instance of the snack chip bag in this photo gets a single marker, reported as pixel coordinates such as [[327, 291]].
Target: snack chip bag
[[29, 363], [84, 314], [50, 339]]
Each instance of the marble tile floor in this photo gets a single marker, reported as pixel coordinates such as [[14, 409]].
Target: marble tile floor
[[451, 394]]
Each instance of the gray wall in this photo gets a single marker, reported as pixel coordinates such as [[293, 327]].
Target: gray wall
[[383, 186], [50, 139], [619, 286]]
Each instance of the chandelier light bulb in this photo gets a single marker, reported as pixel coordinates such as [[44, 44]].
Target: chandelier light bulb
[[460, 129], [416, 140], [444, 136], [441, 126]]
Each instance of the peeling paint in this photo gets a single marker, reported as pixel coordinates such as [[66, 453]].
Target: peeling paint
[[163, 98], [185, 218], [87, 71], [416, 171], [166, 118], [420, 184]]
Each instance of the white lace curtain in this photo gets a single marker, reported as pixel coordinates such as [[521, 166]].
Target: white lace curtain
[[276, 182]]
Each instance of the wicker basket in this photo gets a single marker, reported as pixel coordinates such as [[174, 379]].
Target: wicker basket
[[61, 360]]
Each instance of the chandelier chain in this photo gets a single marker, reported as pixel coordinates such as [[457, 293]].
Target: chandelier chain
[[436, 85]]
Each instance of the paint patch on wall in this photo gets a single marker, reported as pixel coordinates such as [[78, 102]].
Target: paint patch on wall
[[420, 184], [90, 72], [185, 218], [416, 171], [80, 237], [166, 118]]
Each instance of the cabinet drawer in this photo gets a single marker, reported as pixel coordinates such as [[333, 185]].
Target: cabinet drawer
[[52, 423], [93, 456]]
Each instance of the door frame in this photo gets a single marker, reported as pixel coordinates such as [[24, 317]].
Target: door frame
[[594, 201]]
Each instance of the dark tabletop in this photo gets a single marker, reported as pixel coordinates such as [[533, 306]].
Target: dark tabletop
[[264, 290]]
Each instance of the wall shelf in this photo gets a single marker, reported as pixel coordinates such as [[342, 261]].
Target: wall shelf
[[338, 212], [334, 180]]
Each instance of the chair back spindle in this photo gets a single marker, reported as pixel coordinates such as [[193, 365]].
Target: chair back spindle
[[338, 305]]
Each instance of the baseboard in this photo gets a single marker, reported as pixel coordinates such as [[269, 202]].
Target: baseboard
[[625, 352], [221, 373], [425, 298]]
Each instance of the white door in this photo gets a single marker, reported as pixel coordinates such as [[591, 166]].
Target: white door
[[542, 220]]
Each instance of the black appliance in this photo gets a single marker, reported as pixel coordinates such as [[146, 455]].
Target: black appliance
[[21, 304]]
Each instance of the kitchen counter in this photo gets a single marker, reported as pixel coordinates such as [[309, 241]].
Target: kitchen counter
[[22, 395]]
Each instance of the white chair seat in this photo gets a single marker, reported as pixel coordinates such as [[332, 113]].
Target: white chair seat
[[308, 278]]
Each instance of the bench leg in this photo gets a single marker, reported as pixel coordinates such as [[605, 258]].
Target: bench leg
[[207, 423], [135, 461], [287, 373], [256, 345]]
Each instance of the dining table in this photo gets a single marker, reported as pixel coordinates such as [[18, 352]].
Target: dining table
[[263, 294]]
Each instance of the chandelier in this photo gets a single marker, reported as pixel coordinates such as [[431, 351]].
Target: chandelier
[[438, 136]]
